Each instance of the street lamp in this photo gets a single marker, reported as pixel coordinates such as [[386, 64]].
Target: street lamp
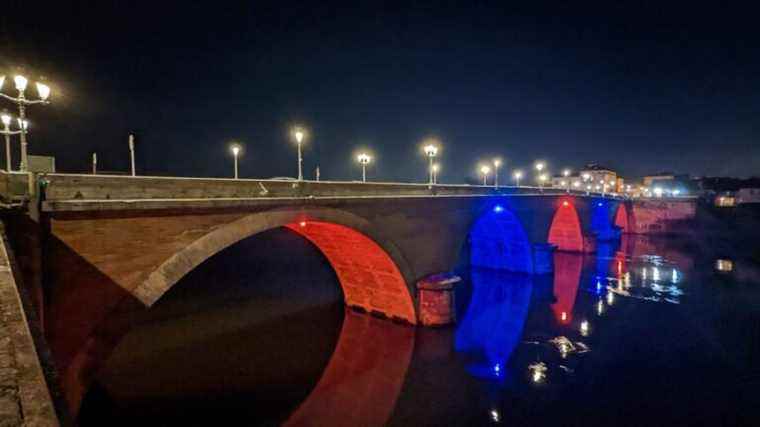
[[517, 175], [299, 134], [236, 148], [566, 174], [541, 180], [431, 150], [496, 164], [6, 119], [364, 160], [436, 167], [43, 91], [485, 170]]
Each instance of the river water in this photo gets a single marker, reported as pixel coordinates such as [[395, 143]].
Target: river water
[[645, 332]]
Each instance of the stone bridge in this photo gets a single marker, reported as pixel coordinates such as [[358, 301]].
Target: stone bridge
[[93, 248]]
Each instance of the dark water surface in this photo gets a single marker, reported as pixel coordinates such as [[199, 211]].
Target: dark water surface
[[646, 332]]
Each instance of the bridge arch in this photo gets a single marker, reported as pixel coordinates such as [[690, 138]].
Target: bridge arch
[[498, 240], [623, 219], [371, 270], [565, 231]]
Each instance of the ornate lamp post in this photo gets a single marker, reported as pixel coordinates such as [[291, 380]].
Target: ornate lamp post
[[22, 102], [7, 132], [236, 148], [431, 150], [364, 159], [485, 170]]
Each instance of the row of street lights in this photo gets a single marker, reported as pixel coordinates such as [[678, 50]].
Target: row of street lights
[[431, 150], [22, 102]]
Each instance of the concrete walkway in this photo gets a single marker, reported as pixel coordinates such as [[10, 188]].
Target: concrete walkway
[[24, 396]]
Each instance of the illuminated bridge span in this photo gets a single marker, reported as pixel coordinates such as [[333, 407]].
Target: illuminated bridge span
[[118, 242]]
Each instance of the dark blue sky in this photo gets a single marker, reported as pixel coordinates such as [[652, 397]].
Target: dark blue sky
[[642, 88]]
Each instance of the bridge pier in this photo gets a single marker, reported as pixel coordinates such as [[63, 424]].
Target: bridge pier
[[543, 258]]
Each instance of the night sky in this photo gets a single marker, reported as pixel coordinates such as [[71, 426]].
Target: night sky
[[641, 88]]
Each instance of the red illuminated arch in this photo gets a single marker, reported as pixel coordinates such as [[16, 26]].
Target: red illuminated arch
[[621, 218], [565, 231], [371, 273], [370, 279]]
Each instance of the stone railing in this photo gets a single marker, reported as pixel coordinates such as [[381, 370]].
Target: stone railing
[[58, 187]]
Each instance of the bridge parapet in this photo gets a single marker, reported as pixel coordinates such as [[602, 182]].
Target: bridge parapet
[[14, 186], [104, 187]]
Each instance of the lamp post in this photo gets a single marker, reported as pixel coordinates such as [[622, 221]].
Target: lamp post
[[485, 170], [94, 163], [299, 134], [539, 168], [235, 148], [7, 132], [364, 160], [131, 140], [431, 150], [541, 180], [436, 167], [517, 175], [22, 102], [496, 164], [566, 174]]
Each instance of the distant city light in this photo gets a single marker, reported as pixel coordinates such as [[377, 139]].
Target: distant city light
[[538, 371], [724, 265], [584, 328], [498, 209], [495, 416]]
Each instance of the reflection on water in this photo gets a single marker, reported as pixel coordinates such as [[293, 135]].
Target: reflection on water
[[492, 326], [611, 339]]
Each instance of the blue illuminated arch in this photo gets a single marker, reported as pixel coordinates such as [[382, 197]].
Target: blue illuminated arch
[[601, 220], [498, 240]]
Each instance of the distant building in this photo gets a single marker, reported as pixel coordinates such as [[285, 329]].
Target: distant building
[[725, 199], [668, 184], [650, 180], [598, 176], [747, 195]]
